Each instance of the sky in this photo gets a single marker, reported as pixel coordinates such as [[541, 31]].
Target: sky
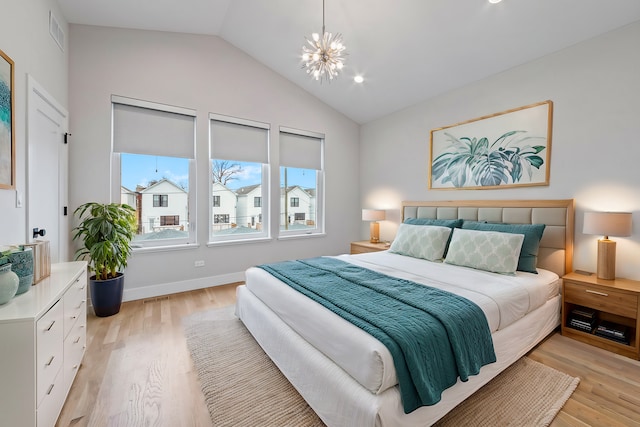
[[140, 169]]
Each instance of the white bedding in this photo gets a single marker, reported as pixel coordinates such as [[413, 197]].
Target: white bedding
[[503, 299]]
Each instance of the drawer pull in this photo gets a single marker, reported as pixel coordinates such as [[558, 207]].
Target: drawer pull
[[50, 326], [50, 361], [50, 389], [77, 340], [597, 293], [80, 305]]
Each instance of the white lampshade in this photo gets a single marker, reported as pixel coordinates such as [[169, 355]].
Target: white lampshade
[[607, 223], [373, 215]]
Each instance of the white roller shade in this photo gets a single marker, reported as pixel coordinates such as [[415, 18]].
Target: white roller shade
[[243, 141], [300, 151], [140, 130]]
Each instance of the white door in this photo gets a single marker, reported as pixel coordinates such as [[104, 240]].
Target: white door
[[47, 171]]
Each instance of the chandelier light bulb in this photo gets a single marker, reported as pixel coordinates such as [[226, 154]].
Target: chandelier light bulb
[[323, 56]]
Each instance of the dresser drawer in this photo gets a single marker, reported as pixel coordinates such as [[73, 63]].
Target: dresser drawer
[[74, 300], [49, 408], [602, 298], [49, 349], [74, 347]]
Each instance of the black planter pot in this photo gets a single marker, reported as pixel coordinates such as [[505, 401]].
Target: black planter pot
[[106, 295]]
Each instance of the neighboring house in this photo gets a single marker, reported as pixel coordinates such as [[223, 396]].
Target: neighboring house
[[224, 207], [300, 206], [249, 210], [128, 197], [164, 205]]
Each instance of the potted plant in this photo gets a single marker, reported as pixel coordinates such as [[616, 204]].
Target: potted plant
[[106, 231]]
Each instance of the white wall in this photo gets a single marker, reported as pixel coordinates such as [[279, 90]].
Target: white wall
[[595, 88], [208, 75], [24, 37]]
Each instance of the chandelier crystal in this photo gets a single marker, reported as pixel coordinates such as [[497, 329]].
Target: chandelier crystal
[[324, 56]]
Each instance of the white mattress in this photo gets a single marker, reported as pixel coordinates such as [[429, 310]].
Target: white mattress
[[503, 299], [341, 401]]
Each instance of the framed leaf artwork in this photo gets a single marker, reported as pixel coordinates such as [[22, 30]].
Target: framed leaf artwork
[[7, 137], [507, 149]]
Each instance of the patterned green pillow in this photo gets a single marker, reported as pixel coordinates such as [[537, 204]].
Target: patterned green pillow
[[485, 250], [451, 223], [532, 234], [421, 241]]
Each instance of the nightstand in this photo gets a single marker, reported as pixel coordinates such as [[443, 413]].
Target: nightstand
[[366, 246], [611, 301]]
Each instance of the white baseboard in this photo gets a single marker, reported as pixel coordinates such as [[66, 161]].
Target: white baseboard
[[181, 286]]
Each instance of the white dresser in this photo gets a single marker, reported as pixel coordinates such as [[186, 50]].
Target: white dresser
[[42, 342]]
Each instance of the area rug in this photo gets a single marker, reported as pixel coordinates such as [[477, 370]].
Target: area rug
[[242, 387]]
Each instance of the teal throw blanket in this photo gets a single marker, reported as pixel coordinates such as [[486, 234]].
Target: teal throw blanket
[[434, 336]]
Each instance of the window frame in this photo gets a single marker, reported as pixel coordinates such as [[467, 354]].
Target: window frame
[[319, 228], [116, 172], [265, 233]]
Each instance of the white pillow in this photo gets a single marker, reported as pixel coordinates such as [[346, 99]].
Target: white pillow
[[421, 241], [485, 250]]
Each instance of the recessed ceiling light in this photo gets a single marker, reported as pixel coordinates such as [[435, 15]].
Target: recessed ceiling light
[[358, 79], [494, 1]]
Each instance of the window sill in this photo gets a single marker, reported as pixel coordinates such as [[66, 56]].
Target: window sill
[[301, 236], [166, 248], [238, 241]]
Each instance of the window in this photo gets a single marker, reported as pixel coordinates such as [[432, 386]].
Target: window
[[239, 177], [157, 174], [160, 200], [221, 219], [167, 220], [301, 182], [216, 201]]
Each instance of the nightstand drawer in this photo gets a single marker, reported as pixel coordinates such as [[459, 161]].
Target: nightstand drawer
[[366, 246], [602, 298]]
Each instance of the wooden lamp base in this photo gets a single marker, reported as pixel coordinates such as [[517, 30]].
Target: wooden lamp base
[[374, 231], [606, 259]]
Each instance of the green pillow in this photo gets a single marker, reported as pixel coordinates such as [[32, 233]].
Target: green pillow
[[485, 250], [451, 223], [421, 241], [532, 235]]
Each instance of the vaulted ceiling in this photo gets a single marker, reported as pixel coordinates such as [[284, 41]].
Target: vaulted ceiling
[[406, 50]]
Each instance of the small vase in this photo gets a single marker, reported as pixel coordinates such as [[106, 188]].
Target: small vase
[[22, 265], [8, 283]]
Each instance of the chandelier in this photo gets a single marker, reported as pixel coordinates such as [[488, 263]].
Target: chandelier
[[323, 56]]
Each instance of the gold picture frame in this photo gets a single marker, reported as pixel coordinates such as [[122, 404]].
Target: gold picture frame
[[507, 149], [7, 120]]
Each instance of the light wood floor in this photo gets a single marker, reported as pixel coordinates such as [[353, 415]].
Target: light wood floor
[[137, 371]]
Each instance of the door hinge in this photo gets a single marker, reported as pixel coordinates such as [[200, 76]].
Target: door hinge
[[66, 137], [64, 211]]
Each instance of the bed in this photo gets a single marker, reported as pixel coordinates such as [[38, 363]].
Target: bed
[[347, 376]]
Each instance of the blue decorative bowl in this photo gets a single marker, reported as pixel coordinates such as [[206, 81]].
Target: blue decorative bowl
[[22, 265]]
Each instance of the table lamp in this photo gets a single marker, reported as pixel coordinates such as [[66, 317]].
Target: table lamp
[[607, 224], [373, 215]]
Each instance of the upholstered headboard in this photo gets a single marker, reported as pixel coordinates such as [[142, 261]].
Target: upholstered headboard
[[556, 246]]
